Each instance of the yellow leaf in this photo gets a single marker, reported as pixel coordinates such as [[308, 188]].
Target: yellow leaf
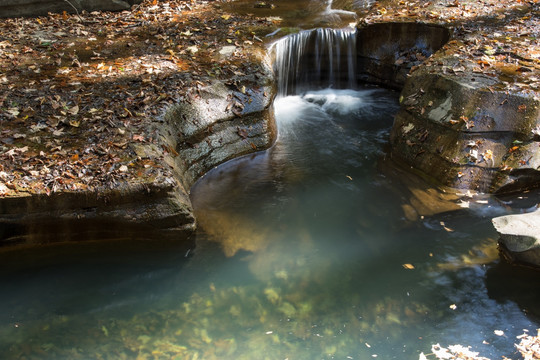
[[408, 266], [225, 17]]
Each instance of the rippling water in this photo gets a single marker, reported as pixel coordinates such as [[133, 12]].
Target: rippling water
[[304, 252]]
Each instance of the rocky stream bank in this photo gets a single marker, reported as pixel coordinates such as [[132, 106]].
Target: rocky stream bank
[[109, 118]]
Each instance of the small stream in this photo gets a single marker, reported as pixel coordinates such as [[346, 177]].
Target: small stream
[[304, 251], [320, 229]]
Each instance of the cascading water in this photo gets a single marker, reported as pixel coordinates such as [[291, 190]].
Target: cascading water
[[315, 59]]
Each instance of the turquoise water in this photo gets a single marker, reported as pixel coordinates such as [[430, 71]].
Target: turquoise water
[[304, 251]]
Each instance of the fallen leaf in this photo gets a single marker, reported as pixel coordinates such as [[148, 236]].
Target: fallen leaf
[[74, 110], [445, 227], [407, 128], [3, 189], [193, 49], [13, 111], [75, 123], [242, 133]]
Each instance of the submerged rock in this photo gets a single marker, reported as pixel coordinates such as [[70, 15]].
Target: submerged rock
[[520, 237]]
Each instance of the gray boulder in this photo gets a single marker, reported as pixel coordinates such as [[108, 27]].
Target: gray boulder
[[520, 237]]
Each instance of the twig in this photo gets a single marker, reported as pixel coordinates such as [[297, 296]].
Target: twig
[[76, 10]]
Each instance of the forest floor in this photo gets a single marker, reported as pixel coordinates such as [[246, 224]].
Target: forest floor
[[77, 90]]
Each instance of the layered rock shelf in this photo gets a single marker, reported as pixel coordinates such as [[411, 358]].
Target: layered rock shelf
[[223, 122], [460, 129]]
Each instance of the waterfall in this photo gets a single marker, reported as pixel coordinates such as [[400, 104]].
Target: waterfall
[[315, 59]]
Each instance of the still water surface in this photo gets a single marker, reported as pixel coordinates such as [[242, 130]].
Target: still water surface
[[300, 255]]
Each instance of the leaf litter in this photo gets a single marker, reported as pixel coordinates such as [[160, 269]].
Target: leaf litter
[[78, 92]]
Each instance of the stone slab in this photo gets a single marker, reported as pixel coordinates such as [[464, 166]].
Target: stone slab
[[520, 236]]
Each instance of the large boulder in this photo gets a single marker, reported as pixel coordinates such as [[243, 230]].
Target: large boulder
[[520, 237], [464, 130]]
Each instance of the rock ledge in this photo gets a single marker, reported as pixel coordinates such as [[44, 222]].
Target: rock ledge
[[520, 237]]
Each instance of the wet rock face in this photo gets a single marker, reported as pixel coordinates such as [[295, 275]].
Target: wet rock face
[[16, 8], [224, 121], [386, 52], [520, 237], [157, 210], [459, 130]]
